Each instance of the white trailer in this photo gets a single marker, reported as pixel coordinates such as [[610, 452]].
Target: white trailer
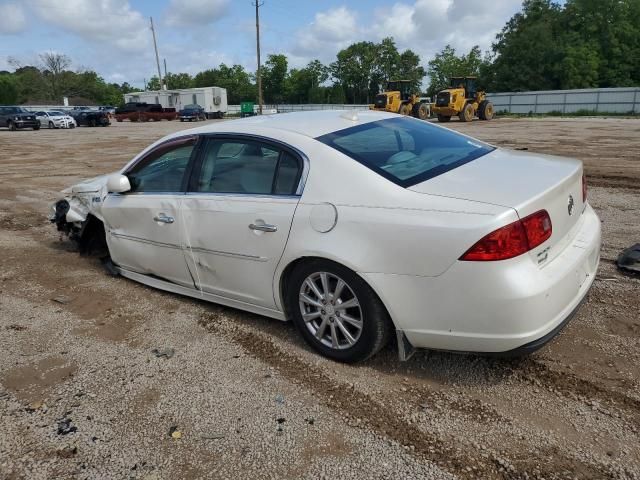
[[212, 99]]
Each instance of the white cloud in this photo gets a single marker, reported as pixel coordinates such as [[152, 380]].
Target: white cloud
[[424, 26], [329, 32], [12, 18], [185, 13], [108, 23]]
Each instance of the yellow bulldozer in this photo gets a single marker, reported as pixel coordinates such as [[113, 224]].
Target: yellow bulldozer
[[398, 98], [464, 99]]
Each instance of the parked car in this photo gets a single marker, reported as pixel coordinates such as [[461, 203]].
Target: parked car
[[144, 112], [92, 118], [107, 109], [192, 113], [15, 118], [56, 119], [358, 226]]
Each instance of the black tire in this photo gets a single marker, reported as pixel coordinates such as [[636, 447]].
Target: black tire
[[443, 118], [405, 109], [92, 122], [51, 125], [485, 110], [466, 114], [12, 126], [376, 324], [37, 127]]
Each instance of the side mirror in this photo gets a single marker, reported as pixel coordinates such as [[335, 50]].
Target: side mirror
[[118, 183]]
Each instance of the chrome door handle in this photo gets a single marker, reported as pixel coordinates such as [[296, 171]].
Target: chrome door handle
[[161, 217], [264, 227]]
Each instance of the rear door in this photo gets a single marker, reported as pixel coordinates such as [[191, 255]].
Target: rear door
[[238, 213], [144, 226]]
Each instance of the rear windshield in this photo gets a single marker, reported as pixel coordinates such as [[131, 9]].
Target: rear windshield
[[405, 150]]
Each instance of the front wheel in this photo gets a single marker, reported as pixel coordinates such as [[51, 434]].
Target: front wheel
[[443, 118], [51, 125], [336, 312], [12, 126], [37, 127]]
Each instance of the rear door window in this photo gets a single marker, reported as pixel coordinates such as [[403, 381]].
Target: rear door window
[[239, 166]]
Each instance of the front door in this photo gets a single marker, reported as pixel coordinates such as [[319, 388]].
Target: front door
[[238, 213], [144, 228]]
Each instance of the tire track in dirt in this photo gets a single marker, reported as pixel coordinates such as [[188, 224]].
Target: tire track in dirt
[[449, 454]]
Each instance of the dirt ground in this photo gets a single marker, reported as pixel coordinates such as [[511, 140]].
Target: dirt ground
[[82, 394]]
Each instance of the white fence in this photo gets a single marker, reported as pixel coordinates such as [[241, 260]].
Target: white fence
[[608, 100], [233, 109]]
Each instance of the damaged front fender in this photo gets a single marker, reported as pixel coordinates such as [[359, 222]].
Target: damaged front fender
[[78, 215]]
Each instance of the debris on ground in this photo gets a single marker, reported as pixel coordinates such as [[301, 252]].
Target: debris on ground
[[16, 327], [280, 399], [213, 436], [629, 259], [175, 433], [65, 426], [61, 299], [164, 352], [66, 452]]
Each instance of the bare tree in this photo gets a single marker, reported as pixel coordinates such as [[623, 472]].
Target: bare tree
[[53, 66]]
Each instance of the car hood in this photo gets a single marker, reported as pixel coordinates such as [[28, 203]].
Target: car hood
[[91, 185], [502, 177]]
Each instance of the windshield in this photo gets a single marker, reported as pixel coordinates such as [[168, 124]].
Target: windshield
[[56, 113], [405, 150]]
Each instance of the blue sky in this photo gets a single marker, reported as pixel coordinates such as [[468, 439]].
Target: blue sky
[[112, 36]]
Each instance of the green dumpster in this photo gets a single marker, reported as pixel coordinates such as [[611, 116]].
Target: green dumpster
[[246, 109]]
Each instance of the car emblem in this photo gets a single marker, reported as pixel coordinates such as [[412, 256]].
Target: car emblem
[[570, 204]]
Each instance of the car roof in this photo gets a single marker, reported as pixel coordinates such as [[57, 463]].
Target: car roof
[[311, 124]]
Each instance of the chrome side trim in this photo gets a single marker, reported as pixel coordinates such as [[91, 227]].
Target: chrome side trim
[[190, 292], [227, 254], [144, 240], [241, 256]]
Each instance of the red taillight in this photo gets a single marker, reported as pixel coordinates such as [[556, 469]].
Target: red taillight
[[512, 240], [584, 188]]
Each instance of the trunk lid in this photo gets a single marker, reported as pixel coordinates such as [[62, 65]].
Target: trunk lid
[[525, 182]]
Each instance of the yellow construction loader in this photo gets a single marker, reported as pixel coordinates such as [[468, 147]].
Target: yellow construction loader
[[463, 99], [398, 98]]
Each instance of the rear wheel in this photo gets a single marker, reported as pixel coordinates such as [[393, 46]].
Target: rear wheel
[[466, 114], [37, 127], [485, 111], [443, 118], [336, 312], [405, 109], [422, 111], [92, 122]]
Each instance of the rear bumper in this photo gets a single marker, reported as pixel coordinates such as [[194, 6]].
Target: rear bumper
[[510, 306]]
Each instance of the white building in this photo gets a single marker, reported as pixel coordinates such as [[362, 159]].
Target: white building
[[212, 99]]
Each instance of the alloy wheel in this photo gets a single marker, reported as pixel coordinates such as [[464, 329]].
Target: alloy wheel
[[330, 310]]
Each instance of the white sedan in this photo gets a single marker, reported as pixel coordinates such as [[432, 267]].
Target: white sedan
[[356, 226], [56, 119]]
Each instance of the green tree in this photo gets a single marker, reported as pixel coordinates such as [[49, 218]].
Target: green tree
[[178, 80], [8, 89], [447, 64], [274, 74], [356, 70], [235, 79]]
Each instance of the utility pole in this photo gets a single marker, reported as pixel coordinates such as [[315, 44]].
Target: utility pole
[[155, 46], [258, 4], [165, 68]]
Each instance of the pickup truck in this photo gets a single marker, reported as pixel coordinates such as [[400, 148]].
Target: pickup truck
[[144, 112], [15, 118]]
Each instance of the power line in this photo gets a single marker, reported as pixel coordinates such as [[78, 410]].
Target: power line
[[258, 4]]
